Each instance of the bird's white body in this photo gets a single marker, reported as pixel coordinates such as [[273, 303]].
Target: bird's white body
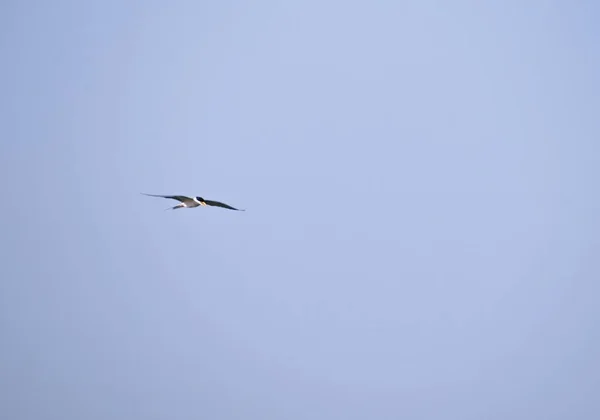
[[190, 203]]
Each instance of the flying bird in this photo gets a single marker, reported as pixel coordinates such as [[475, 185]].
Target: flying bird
[[191, 202]]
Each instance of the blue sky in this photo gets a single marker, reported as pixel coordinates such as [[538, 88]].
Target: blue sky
[[421, 233]]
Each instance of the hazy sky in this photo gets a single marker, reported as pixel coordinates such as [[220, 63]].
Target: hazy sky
[[421, 238]]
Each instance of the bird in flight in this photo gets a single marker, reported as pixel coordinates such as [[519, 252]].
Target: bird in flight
[[191, 202]]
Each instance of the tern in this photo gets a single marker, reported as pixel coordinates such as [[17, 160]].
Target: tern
[[191, 202]]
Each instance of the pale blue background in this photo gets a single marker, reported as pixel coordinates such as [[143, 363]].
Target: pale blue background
[[421, 238]]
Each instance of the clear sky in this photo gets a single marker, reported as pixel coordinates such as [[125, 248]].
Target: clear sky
[[421, 238]]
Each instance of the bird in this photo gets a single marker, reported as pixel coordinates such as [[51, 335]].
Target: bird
[[191, 202]]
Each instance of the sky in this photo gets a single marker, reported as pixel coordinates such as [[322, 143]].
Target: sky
[[421, 233]]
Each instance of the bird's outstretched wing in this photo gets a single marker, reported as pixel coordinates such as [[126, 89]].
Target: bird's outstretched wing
[[181, 198], [219, 204]]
